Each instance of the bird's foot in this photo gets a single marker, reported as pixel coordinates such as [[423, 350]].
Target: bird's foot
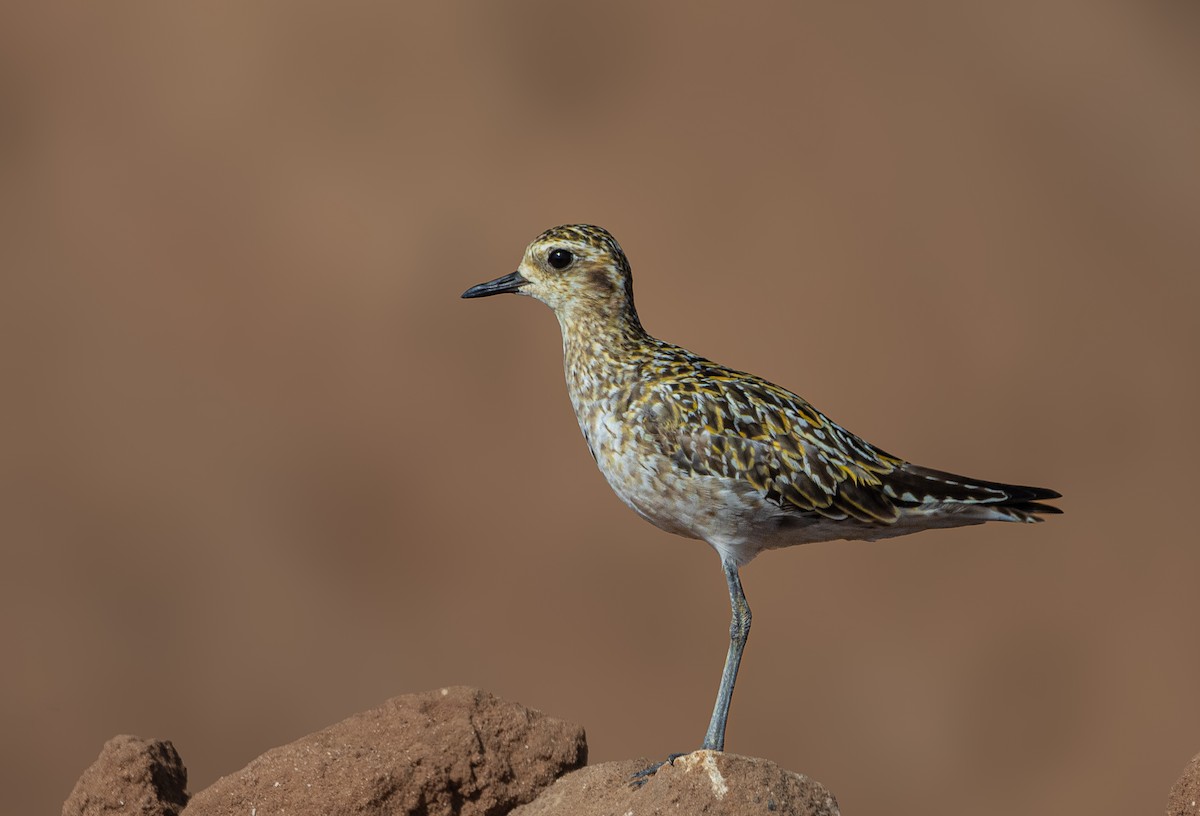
[[638, 779]]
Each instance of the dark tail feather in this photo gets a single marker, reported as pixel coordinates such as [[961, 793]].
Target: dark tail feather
[[1036, 507], [913, 485]]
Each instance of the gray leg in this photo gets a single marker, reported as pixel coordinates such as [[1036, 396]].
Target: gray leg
[[739, 630]]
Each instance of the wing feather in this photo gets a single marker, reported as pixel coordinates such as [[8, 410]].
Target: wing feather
[[739, 426]]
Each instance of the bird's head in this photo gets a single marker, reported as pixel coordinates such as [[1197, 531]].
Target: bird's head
[[575, 269]]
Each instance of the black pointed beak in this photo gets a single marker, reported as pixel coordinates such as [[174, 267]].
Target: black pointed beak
[[511, 282]]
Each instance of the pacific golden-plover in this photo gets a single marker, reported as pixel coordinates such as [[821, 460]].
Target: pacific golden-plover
[[708, 452]]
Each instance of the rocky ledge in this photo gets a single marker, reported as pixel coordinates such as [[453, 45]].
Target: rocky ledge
[[457, 751]]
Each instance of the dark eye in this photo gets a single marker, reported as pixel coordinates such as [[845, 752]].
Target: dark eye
[[560, 258]]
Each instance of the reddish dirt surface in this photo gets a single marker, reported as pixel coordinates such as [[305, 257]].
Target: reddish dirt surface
[[261, 468], [131, 775], [452, 752], [449, 752], [703, 783]]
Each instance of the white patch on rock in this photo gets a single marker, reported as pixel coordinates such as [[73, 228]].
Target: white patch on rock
[[714, 775]]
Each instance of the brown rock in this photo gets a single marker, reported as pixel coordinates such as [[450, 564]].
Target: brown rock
[[704, 782], [1186, 791], [453, 751], [131, 775]]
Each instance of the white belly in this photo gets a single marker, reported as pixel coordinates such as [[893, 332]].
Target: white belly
[[728, 514]]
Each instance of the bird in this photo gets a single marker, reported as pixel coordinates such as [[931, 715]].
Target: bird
[[708, 452]]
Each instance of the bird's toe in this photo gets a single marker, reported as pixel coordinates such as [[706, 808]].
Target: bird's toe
[[638, 779]]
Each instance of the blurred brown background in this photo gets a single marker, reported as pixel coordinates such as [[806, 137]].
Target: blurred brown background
[[262, 468]]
